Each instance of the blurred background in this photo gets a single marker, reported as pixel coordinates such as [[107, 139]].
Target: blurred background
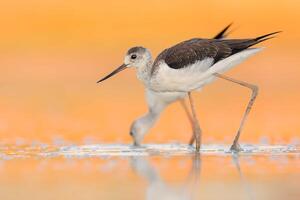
[[53, 52]]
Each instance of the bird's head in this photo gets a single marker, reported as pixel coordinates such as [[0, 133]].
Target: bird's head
[[135, 57]]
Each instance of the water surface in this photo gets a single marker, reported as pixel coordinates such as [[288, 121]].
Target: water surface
[[172, 171]]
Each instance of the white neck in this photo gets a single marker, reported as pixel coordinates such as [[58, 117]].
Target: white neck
[[144, 123], [144, 69], [149, 119]]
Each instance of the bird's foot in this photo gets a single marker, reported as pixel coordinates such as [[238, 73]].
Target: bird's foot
[[198, 144], [136, 144], [197, 148], [236, 148]]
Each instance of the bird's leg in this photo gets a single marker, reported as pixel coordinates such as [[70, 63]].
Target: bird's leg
[[235, 146], [189, 115], [196, 126]]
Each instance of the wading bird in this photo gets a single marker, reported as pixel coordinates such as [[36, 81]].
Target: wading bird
[[160, 102], [185, 67]]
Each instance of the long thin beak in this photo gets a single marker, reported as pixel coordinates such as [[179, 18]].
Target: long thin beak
[[121, 68]]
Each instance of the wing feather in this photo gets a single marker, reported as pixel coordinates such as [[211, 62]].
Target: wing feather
[[194, 50]]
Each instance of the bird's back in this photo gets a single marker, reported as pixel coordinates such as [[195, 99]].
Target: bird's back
[[192, 64], [189, 52]]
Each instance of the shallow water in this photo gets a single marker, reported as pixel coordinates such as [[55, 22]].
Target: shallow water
[[152, 171]]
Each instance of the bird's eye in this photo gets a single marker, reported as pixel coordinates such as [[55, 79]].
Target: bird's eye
[[133, 56]]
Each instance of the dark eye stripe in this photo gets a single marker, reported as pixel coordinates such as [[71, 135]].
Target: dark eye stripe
[[133, 56]]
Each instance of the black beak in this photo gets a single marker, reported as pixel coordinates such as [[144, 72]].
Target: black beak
[[121, 68]]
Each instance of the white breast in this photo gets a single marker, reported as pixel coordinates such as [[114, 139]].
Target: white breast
[[194, 76], [169, 79]]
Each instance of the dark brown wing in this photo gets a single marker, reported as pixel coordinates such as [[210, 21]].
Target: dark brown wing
[[191, 51]]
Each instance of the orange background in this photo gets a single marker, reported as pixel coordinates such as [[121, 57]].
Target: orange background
[[53, 52]]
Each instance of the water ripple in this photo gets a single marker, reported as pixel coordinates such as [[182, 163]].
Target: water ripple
[[109, 150]]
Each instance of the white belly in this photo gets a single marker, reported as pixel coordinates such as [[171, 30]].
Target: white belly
[[195, 76]]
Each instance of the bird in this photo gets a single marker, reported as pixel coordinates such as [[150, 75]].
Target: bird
[[159, 102], [184, 68]]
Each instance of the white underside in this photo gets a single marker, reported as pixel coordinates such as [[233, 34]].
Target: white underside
[[195, 76]]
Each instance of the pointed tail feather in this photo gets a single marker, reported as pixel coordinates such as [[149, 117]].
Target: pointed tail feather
[[262, 38], [222, 34]]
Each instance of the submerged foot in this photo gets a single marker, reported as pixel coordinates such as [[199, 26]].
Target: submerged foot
[[136, 144], [236, 148], [198, 147]]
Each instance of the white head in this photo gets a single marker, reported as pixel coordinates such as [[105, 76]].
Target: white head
[[135, 57]]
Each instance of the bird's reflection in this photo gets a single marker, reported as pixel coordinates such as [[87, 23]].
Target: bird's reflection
[[246, 187], [160, 189]]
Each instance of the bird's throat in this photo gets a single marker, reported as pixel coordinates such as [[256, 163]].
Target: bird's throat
[[144, 71]]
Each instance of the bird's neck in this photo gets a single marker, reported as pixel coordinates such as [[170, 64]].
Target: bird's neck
[[148, 120], [144, 71]]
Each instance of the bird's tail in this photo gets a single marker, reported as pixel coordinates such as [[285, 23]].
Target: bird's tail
[[223, 33], [263, 38]]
